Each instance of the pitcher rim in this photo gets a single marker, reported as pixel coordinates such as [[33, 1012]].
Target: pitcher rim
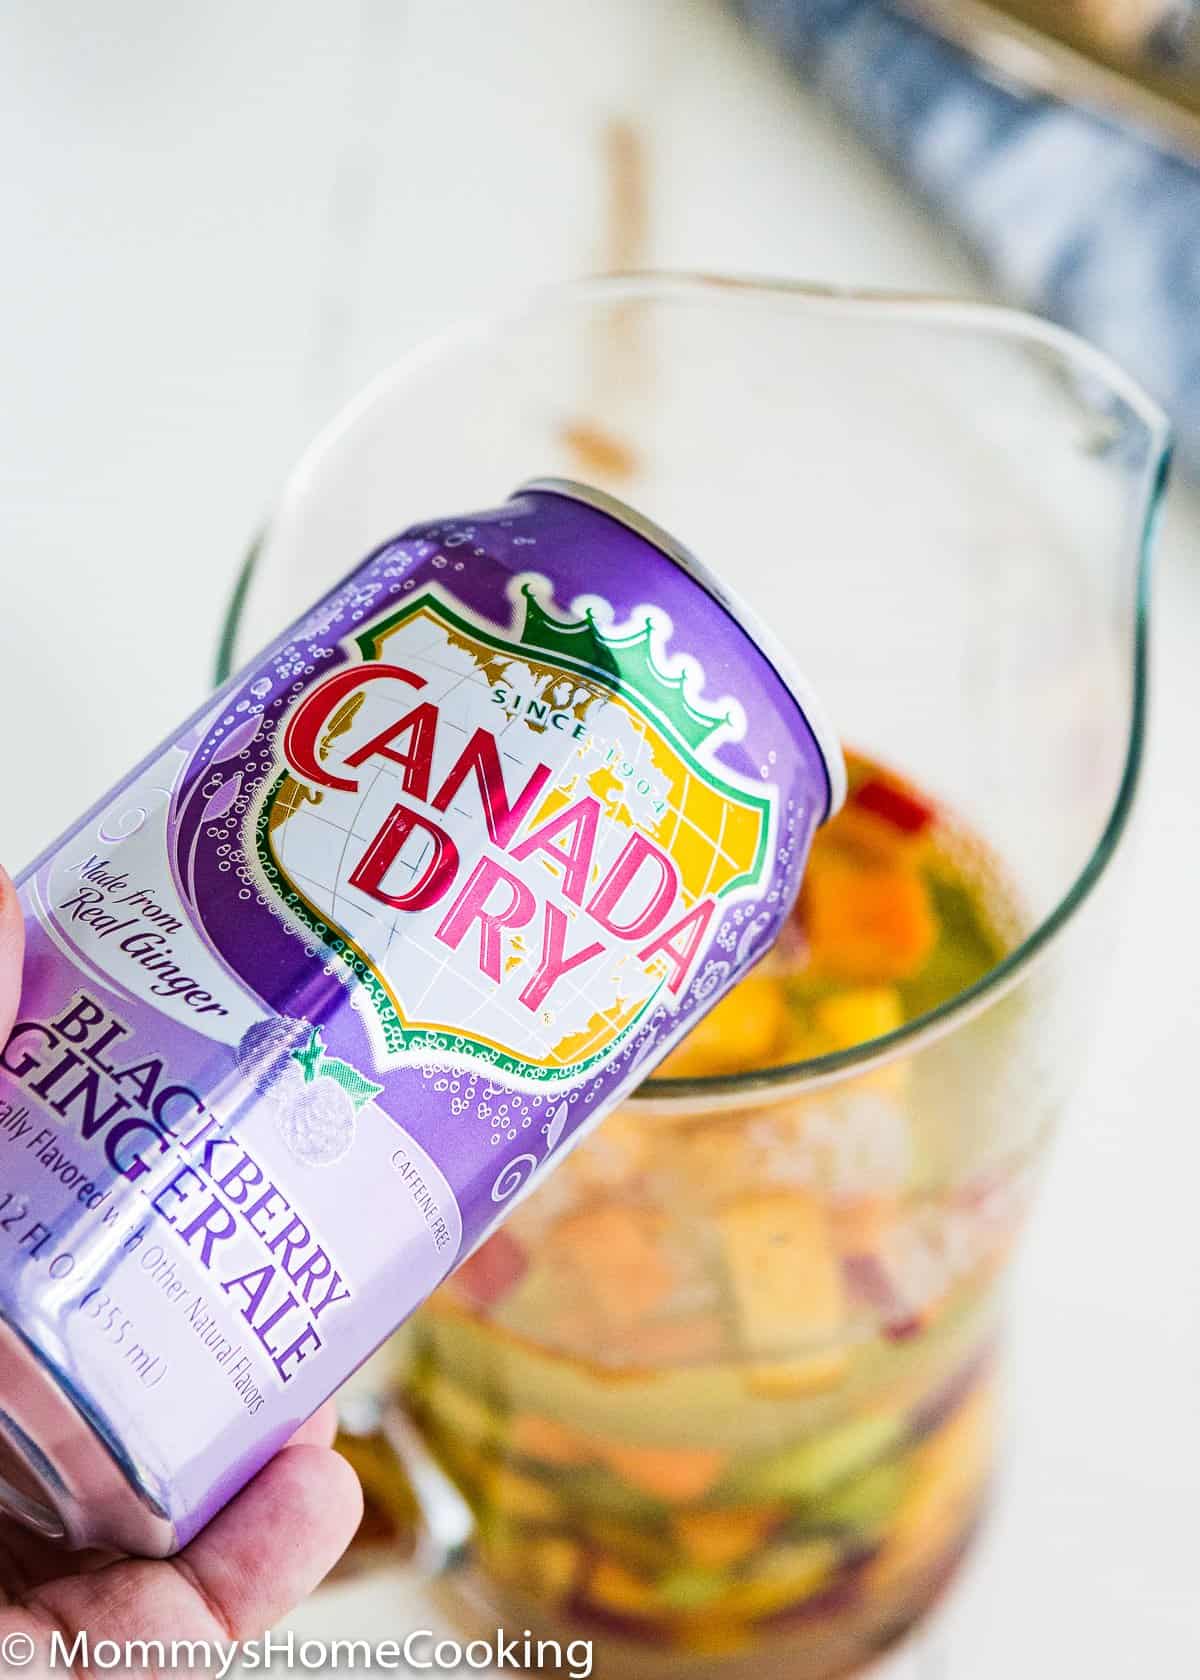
[[700, 1094]]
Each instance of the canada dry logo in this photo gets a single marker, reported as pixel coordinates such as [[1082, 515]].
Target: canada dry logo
[[515, 841]]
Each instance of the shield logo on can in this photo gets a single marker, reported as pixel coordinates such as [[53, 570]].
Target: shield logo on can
[[515, 841]]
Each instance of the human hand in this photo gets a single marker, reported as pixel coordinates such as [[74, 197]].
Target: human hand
[[255, 1560]]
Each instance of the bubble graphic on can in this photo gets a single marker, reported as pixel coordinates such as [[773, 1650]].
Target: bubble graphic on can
[[410, 904]]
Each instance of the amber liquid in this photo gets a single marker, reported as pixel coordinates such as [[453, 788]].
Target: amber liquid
[[721, 1388]]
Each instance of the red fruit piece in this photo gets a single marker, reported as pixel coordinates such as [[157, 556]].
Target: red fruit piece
[[893, 804], [492, 1271]]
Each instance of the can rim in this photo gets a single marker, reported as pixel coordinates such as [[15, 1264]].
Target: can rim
[[768, 643]]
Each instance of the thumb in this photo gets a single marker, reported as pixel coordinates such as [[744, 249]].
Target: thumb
[[12, 946]]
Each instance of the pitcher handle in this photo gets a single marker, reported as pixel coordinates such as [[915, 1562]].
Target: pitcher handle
[[442, 1523]]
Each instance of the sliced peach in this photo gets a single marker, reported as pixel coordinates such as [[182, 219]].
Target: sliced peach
[[666, 1342], [950, 1469], [874, 923], [547, 1440], [675, 1475], [741, 1032], [957, 1456]]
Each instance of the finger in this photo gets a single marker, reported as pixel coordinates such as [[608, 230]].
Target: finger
[[27, 1560], [279, 1538], [318, 1430], [12, 947], [257, 1559]]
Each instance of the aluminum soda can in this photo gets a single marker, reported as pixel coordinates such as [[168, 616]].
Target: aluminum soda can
[[340, 971]]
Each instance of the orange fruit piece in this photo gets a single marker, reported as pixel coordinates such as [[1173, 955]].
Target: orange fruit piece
[[614, 1587], [617, 1256], [868, 923], [719, 1539], [673, 1474], [741, 1032]]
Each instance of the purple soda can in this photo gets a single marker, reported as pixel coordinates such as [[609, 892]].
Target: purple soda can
[[337, 974]]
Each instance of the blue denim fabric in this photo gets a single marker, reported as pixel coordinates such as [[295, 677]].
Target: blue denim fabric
[[1086, 222]]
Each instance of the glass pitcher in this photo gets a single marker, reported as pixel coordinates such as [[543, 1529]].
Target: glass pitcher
[[945, 509]]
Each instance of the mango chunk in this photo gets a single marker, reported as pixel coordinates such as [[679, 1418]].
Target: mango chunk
[[859, 1014], [741, 1032], [874, 923], [617, 1258], [784, 1273], [518, 1496], [613, 1587], [788, 1379], [720, 1539], [675, 1475], [552, 1565]]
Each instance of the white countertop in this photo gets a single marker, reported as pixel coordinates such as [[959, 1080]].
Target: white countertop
[[218, 222]]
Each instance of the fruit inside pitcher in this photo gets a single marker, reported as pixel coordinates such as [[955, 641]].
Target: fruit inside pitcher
[[726, 1374]]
